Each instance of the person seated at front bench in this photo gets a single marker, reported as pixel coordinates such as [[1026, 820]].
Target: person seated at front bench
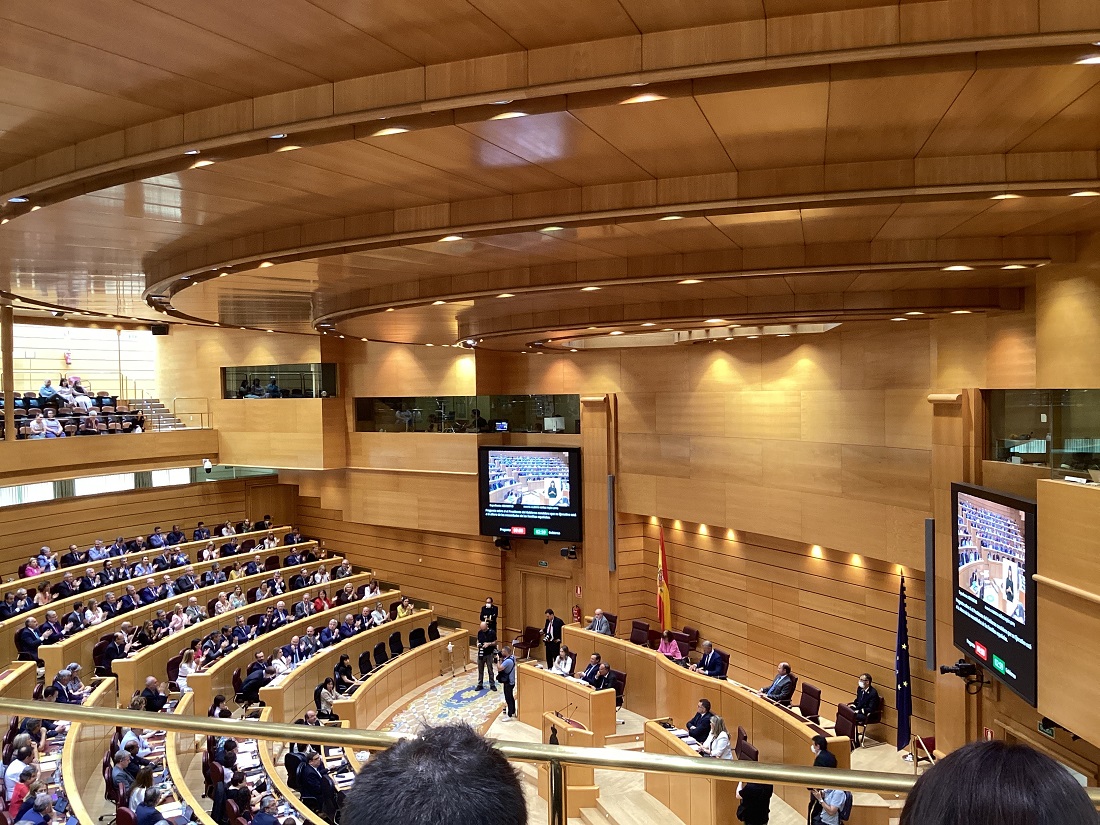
[[603, 678], [592, 671], [710, 664], [564, 663], [599, 623], [866, 701], [717, 743], [782, 687], [699, 724]]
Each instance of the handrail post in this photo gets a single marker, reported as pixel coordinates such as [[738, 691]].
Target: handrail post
[[556, 809]]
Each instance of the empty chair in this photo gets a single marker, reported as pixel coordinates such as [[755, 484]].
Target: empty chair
[[654, 640], [619, 678], [272, 563], [123, 815], [37, 692], [639, 632], [238, 683], [846, 723], [612, 621], [380, 656], [173, 671], [393, 609], [531, 639], [416, 637], [748, 752], [396, 646], [742, 736], [291, 761], [809, 703], [692, 635], [248, 545], [433, 630], [365, 665]]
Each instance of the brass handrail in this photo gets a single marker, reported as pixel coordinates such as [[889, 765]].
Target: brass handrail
[[796, 775]]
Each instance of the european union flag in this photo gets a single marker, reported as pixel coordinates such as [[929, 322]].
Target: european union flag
[[901, 671]]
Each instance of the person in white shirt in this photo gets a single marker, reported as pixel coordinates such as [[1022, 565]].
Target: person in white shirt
[[37, 425], [373, 590], [134, 735], [563, 662], [187, 667], [82, 401], [718, 743], [270, 543], [379, 615], [23, 757]]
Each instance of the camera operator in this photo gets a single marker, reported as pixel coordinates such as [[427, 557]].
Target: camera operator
[[486, 656]]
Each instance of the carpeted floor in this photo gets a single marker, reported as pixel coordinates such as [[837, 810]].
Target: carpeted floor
[[453, 701]]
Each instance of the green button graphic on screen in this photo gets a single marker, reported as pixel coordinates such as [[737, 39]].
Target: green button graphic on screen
[[542, 531], [998, 664]]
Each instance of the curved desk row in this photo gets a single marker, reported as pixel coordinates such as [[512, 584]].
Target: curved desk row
[[78, 646], [539, 691], [9, 627], [82, 755], [694, 799], [218, 678], [153, 660]]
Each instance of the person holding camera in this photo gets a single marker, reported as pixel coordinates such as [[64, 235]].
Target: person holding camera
[[506, 674], [486, 656]]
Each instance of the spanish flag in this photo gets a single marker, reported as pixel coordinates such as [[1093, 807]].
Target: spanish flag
[[664, 601]]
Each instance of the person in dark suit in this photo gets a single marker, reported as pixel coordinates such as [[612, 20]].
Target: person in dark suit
[[67, 587], [782, 687], [155, 700], [293, 537], [147, 814], [89, 581], [281, 614], [186, 582], [176, 535], [551, 636], [242, 631], [292, 559], [699, 724], [300, 579], [52, 631], [130, 600], [266, 815], [823, 757], [230, 548], [75, 557], [710, 664], [276, 584], [755, 805], [215, 575], [253, 567], [162, 562], [256, 679], [330, 633], [263, 524], [118, 548], [149, 593], [603, 678], [116, 649], [292, 652], [137, 545], [593, 669], [866, 701], [489, 613], [314, 781], [201, 533], [65, 694], [7, 607]]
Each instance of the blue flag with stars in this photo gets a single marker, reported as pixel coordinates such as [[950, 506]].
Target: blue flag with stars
[[901, 671]]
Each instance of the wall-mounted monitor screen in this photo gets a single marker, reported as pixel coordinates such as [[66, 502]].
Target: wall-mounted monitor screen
[[530, 492], [994, 601]]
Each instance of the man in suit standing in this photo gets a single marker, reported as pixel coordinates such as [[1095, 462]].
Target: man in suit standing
[[551, 637], [599, 623], [116, 649], [782, 687], [866, 701], [292, 652], [699, 724], [304, 608], [755, 805], [710, 664]]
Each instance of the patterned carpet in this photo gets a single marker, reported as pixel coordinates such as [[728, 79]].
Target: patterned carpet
[[453, 701]]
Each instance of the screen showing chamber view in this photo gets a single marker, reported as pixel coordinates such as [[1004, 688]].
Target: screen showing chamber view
[[530, 492], [994, 611]]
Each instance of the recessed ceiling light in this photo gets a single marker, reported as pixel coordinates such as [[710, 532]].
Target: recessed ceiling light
[[198, 164], [1087, 193], [270, 330], [278, 136], [753, 337], [429, 345], [649, 324], [572, 350], [3, 221], [389, 309], [290, 147], [523, 352], [957, 268], [616, 332], [716, 320], [191, 152], [506, 295], [501, 102], [899, 319], [690, 281], [645, 97], [450, 238], [783, 335], [593, 327], [35, 208], [667, 329], [590, 289], [223, 274], [730, 338], [18, 199], [1014, 266], [914, 312], [438, 303], [960, 312], [552, 229], [508, 115], [671, 218], [1005, 196], [390, 130], [1091, 60], [469, 342], [364, 340]]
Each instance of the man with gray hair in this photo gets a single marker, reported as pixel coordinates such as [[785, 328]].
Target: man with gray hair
[[119, 774], [599, 623], [147, 813], [710, 664], [267, 814], [65, 693]]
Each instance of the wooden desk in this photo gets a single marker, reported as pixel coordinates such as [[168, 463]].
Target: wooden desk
[[78, 647], [292, 694], [397, 678], [539, 691], [580, 780], [634, 660], [17, 680], [277, 775], [218, 678], [153, 661], [697, 800], [10, 627], [184, 761], [82, 756]]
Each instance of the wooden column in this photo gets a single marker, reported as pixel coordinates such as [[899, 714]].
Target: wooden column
[[598, 460], [7, 344]]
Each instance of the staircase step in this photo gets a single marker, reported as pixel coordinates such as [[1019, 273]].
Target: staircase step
[[593, 816], [634, 809]]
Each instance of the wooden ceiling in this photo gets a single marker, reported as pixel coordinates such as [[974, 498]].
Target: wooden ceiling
[[300, 163]]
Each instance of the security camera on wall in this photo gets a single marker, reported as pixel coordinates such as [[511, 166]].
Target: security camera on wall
[[207, 466]]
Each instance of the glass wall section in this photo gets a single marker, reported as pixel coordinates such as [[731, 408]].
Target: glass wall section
[[469, 414], [1059, 429], [280, 381]]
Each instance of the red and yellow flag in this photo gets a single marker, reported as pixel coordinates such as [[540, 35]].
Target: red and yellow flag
[[664, 601]]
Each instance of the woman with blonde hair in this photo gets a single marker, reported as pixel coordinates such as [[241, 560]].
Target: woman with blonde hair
[[718, 743]]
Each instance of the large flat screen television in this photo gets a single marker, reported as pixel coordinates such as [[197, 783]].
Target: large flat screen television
[[994, 601], [530, 492]]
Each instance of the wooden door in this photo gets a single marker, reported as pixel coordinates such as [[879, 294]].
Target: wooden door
[[542, 591]]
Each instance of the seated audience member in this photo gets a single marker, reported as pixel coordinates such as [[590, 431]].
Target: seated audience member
[[592, 670], [270, 542], [330, 634], [253, 567], [187, 667], [866, 701], [54, 428], [26, 777], [226, 529], [293, 537], [218, 709], [135, 735], [374, 589], [603, 679], [309, 643], [21, 757], [328, 695], [28, 639], [406, 608], [268, 811], [717, 743], [155, 700], [315, 783], [119, 774], [563, 663], [47, 392], [89, 425], [994, 783], [345, 595], [7, 607], [823, 757], [755, 805], [342, 570], [143, 781], [599, 623], [37, 425], [65, 694], [427, 780], [304, 608], [342, 674], [242, 631], [670, 647], [200, 533], [782, 687], [379, 615], [710, 663], [322, 602], [147, 814], [176, 536], [699, 724], [194, 611], [278, 662]]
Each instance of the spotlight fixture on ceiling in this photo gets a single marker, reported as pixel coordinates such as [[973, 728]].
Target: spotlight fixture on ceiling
[[957, 268], [645, 97], [390, 130], [590, 289], [687, 281], [451, 238]]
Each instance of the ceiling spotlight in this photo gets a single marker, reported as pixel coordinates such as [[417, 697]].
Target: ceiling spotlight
[[508, 115], [191, 152], [364, 340], [671, 218], [3, 221], [783, 335], [690, 281], [1014, 266], [469, 342], [590, 289], [450, 238], [390, 130], [730, 338], [914, 312], [279, 136], [389, 309], [753, 337], [265, 264], [269, 330], [899, 319], [429, 345], [438, 303], [1087, 193], [667, 329], [616, 332], [1006, 196], [223, 274], [957, 268], [572, 350], [649, 324], [552, 229], [645, 97], [716, 320], [506, 295], [19, 199], [960, 312], [1091, 60]]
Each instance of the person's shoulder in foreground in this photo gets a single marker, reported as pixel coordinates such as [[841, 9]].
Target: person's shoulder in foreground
[[446, 775], [994, 783]]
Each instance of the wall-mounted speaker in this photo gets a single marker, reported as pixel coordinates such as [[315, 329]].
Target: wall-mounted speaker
[[159, 329]]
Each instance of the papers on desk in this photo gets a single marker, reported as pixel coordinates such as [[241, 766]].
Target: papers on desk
[[687, 738]]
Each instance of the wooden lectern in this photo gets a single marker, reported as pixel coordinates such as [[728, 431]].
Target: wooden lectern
[[580, 783]]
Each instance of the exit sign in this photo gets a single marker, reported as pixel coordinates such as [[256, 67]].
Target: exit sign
[[544, 564]]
